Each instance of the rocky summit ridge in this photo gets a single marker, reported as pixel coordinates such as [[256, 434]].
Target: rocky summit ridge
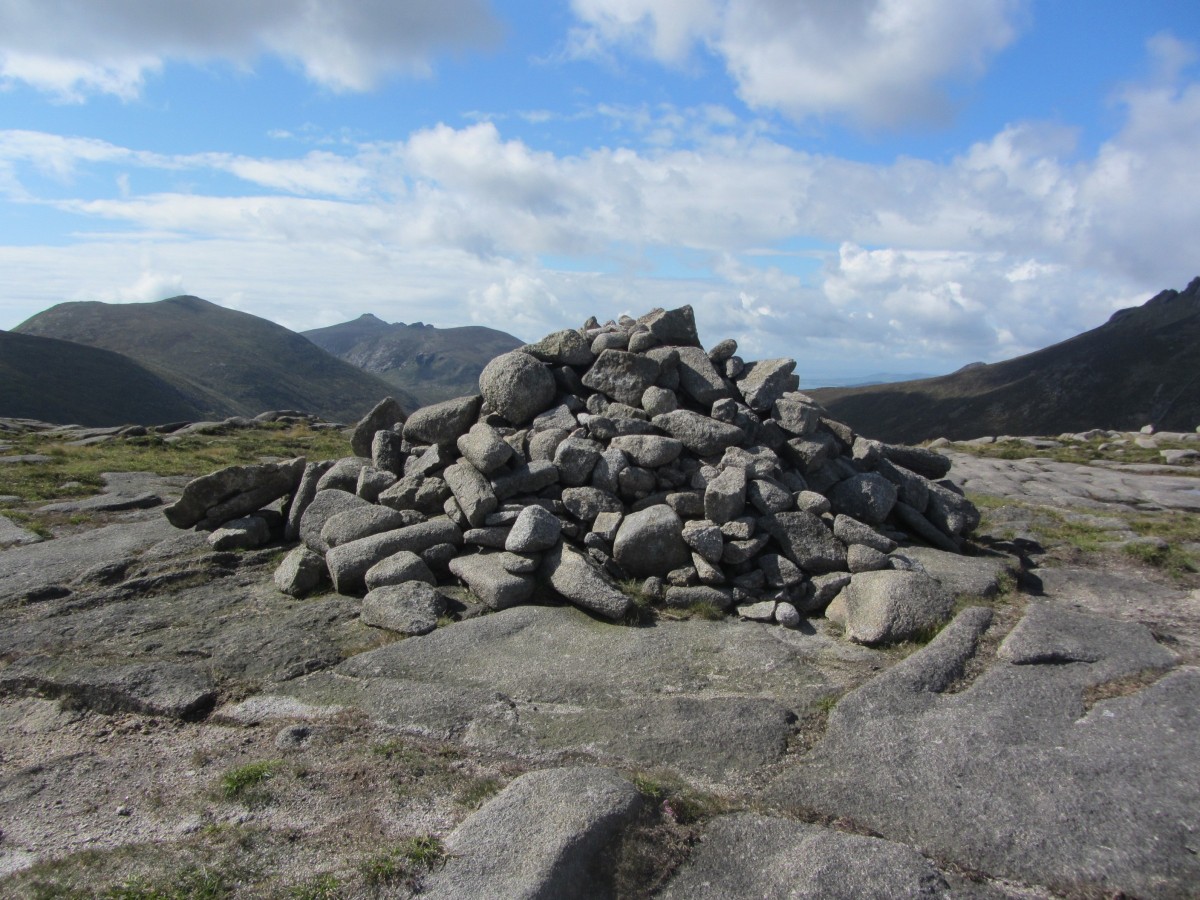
[[599, 457]]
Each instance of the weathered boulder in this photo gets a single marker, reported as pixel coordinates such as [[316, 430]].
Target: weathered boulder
[[301, 572], [886, 607], [386, 413], [517, 386], [622, 376], [650, 542], [399, 568], [699, 434], [233, 492], [410, 608], [442, 423], [578, 579], [489, 580]]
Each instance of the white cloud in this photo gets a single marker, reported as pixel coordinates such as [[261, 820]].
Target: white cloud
[[880, 62], [73, 48], [1014, 244]]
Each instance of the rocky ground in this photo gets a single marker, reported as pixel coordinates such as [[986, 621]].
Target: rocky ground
[[173, 725]]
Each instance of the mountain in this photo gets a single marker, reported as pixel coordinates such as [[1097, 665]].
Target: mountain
[[433, 364], [233, 362], [60, 381], [1141, 367]]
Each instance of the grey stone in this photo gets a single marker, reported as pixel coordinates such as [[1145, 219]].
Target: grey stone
[[764, 382], [650, 542], [386, 413], [723, 351], [861, 558], [556, 418], [387, 451], [517, 386], [929, 463], [535, 529], [1019, 775], [410, 608], [543, 444], [779, 570], [575, 458], [493, 536], [343, 474], [372, 482], [647, 450], [684, 597], [762, 611], [241, 534], [725, 496], [444, 423], [576, 578], [673, 327], [751, 855], [622, 376], [912, 488], [495, 586], [607, 474], [606, 524], [657, 400], [484, 448], [527, 479], [300, 573], [175, 690], [886, 607], [635, 483], [610, 340], [796, 414], [705, 538], [303, 495], [805, 540], [586, 503], [950, 512], [360, 522], [769, 496], [12, 535], [868, 497], [922, 528], [233, 492], [699, 379], [812, 502], [563, 348], [472, 490], [849, 530], [965, 576], [700, 434], [546, 835], [400, 567], [737, 552], [348, 564], [787, 615]]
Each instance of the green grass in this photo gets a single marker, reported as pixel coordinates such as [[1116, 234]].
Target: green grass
[[247, 783], [321, 887], [678, 800], [405, 863], [192, 455], [1170, 559], [421, 770], [193, 883]]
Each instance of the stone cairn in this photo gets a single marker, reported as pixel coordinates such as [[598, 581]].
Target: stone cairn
[[598, 455]]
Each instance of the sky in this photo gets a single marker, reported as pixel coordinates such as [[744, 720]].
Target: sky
[[870, 187]]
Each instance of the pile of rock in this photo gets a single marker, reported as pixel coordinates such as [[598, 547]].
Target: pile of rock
[[599, 454]]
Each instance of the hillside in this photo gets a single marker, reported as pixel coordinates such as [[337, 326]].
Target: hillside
[[59, 381], [244, 363], [1138, 368], [433, 364]]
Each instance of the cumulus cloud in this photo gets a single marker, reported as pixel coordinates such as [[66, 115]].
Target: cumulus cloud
[[879, 62], [73, 48], [1016, 243]]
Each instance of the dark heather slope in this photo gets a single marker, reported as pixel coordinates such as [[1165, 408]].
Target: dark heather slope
[[61, 381], [433, 364], [1138, 368], [251, 364]]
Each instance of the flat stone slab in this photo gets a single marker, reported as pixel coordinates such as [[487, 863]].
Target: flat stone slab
[[1047, 482], [753, 856], [965, 576], [542, 836], [13, 535], [156, 688], [1024, 774], [718, 699]]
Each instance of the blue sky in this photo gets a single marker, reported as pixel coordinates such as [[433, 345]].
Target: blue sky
[[896, 186]]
